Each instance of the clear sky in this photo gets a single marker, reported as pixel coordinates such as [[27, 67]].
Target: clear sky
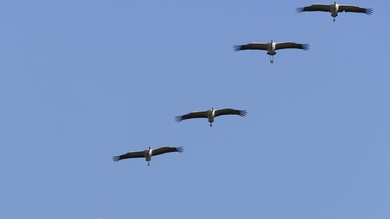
[[82, 81]]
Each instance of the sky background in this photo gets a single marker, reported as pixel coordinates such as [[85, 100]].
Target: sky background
[[82, 81]]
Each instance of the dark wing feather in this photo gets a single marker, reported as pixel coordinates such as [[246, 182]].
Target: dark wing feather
[[315, 7], [252, 46], [135, 154], [356, 9], [163, 150], [291, 45], [192, 115], [230, 111]]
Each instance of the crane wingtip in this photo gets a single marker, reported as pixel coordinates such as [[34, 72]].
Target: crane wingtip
[[299, 10], [369, 11], [180, 149], [178, 118], [115, 158], [236, 48], [305, 47], [243, 113]]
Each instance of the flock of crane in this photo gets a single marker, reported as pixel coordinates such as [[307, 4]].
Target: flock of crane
[[271, 48]]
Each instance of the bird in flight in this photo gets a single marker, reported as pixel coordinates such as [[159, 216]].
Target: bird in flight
[[147, 154], [271, 47], [211, 114], [335, 8]]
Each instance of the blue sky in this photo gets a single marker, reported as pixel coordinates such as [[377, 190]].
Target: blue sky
[[81, 82]]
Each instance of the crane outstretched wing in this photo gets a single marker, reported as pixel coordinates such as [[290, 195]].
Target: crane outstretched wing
[[191, 115], [251, 46], [134, 154], [315, 7], [356, 9], [230, 111], [164, 150], [291, 45]]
